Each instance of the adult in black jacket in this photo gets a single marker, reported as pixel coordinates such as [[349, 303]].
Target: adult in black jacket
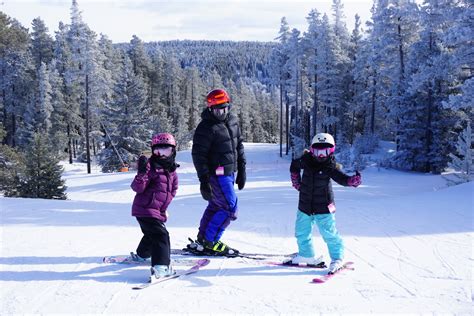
[[217, 154], [316, 201]]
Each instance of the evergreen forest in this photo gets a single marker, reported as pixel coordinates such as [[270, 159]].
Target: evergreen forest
[[405, 76]]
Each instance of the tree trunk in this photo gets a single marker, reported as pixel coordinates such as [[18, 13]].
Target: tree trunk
[[88, 151], [372, 112], [74, 148], [5, 114], [281, 118], [401, 79], [192, 119], [428, 132], [400, 51], [69, 143], [315, 105], [304, 111], [13, 130], [297, 125], [38, 166], [287, 101], [351, 140]]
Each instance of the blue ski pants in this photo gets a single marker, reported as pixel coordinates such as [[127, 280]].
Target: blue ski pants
[[327, 228], [222, 208]]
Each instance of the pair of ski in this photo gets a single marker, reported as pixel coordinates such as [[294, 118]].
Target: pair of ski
[[256, 256], [197, 264], [246, 255], [320, 279], [195, 268]]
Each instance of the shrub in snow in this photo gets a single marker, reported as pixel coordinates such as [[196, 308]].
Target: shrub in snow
[[350, 157], [366, 144], [43, 172], [12, 168]]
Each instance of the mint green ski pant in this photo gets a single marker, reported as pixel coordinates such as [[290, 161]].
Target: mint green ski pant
[[327, 228]]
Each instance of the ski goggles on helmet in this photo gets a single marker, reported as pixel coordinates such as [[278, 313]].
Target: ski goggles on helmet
[[165, 150], [319, 151]]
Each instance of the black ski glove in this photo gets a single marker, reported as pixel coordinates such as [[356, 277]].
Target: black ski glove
[[206, 190], [142, 164], [241, 176]]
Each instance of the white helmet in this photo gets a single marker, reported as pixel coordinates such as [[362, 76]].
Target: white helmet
[[323, 140], [322, 146]]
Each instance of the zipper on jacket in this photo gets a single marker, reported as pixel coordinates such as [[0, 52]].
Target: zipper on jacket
[[234, 148], [168, 185]]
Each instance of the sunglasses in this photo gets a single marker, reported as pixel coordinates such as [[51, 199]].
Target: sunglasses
[[163, 151]]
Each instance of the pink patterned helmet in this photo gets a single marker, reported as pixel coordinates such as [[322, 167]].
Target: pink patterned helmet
[[163, 139]]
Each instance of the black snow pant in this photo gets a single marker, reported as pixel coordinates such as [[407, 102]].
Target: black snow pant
[[155, 242]]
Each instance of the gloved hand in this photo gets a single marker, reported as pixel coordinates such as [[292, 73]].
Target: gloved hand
[[355, 180], [241, 177], [295, 180], [142, 164], [206, 190]]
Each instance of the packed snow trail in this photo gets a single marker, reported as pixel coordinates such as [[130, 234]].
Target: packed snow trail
[[409, 236]]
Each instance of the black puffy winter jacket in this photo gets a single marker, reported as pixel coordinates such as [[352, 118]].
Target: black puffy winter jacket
[[217, 143], [315, 185]]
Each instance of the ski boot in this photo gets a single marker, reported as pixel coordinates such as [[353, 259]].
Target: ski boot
[[136, 258], [335, 266], [308, 261], [195, 246], [218, 248], [161, 271]]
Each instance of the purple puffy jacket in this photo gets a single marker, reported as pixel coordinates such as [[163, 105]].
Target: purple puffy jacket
[[155, 190]]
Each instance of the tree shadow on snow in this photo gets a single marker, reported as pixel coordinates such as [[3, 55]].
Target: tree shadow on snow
[[126, 273], [105, 273]]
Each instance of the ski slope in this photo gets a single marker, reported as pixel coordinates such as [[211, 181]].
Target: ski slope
[[410, 236]]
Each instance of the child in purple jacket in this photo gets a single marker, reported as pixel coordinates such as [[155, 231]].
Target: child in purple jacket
[[155, 184]]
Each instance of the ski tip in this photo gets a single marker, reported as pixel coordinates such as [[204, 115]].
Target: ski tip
[[349, 265], [203, 262], [317, 280]]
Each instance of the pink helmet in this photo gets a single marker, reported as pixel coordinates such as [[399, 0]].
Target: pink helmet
[[163, 139]]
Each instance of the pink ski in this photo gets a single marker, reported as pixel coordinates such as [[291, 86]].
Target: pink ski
[[322, 279]]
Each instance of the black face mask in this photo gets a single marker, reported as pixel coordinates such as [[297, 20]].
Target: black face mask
[[220, 113], [167, 163]]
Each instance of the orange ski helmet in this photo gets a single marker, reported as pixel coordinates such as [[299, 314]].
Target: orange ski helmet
[[217, 97]]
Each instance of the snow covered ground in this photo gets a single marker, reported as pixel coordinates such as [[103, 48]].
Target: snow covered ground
[[410, 236]]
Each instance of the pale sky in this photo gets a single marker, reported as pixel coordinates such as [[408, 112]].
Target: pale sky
[[158, 20]]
